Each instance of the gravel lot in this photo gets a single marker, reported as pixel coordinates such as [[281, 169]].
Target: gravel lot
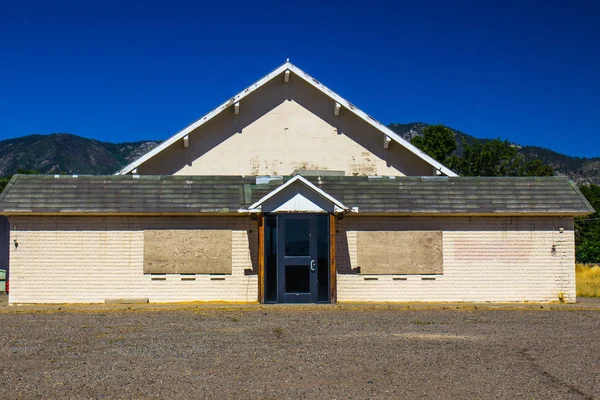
[[301, 352]]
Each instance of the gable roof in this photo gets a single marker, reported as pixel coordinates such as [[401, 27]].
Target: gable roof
[[178, 195], [287, 66], [256, 207]]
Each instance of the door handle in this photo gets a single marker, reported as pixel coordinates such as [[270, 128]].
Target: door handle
[[313, 266]]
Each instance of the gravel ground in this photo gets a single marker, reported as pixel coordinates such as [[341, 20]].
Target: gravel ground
[[299, 352]]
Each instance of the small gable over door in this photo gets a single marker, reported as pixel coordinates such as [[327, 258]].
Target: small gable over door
[[298, 195]]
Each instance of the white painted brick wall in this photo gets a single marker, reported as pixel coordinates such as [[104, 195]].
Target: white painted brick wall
[[90, 259], [485, 259]]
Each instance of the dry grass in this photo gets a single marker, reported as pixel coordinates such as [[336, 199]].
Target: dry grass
[[588, 280]]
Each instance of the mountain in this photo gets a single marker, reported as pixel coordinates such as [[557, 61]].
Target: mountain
[[72, 154], [66, 153], [581, 170]]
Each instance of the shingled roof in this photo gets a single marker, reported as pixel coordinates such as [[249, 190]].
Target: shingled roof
[[127, 194]]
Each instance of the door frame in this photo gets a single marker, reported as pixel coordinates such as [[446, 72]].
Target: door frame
[[261, 267]]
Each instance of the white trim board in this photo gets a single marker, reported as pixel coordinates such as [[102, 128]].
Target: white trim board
[[287, 66]]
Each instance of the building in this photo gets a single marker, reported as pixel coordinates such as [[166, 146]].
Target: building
[[289, 193]]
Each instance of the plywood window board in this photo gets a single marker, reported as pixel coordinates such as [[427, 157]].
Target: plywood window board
[[400, 252], [187, 251]]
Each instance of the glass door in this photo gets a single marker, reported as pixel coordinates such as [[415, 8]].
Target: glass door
[[297, 258]]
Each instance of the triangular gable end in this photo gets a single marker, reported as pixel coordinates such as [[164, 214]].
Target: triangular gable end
[[297, 195], [289, 68]]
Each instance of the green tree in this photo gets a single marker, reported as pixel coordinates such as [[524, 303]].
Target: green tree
[[5, 179], [587, 229], [537, 168], [495, 158], [438, 141], [491, 158]]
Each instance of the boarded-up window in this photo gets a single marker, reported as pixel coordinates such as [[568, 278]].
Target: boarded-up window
[[400, 252], [187, 251]]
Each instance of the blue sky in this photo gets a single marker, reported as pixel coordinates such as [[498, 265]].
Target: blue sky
[[526, 71]]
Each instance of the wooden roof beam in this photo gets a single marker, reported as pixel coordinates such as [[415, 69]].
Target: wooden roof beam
[[386, 142]]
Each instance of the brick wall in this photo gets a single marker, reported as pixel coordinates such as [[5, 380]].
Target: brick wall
[[485, 259], [90, 259]]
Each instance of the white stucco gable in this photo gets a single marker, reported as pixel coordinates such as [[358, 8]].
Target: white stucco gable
[[286, 73]]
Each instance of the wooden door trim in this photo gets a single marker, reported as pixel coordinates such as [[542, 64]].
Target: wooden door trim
[[261, 258], [332, 265]]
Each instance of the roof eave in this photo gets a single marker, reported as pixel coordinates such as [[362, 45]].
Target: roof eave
[[242, 211]]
